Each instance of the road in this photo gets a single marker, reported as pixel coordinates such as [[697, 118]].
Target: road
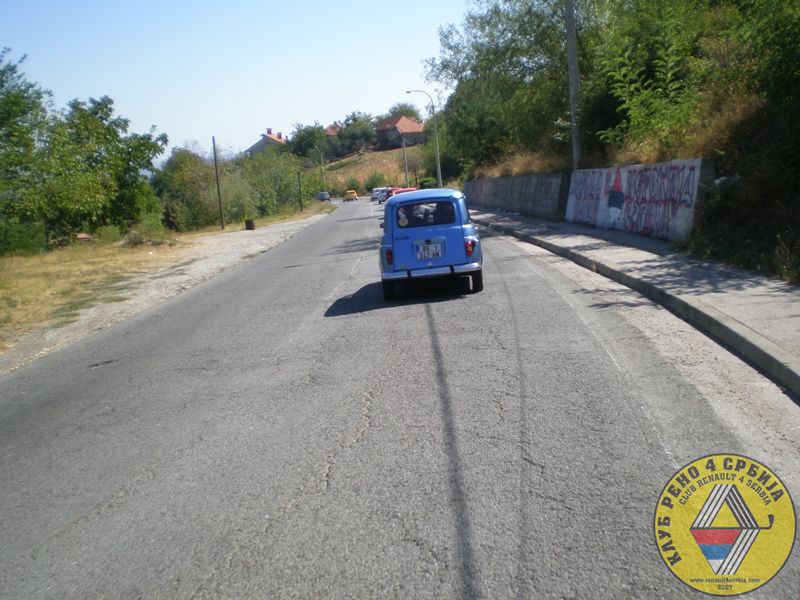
[[281, 431]]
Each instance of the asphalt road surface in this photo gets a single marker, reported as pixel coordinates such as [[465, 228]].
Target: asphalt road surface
[[281, 431]]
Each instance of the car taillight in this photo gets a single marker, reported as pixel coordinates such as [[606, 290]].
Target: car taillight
[[469, 246], [389, 256]]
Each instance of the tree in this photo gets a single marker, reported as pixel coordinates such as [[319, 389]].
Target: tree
[[181, 184], [135, 195], [308, 140], [403, 109], [508, 67], [69, 169], [102, 141], [358, 132], [68, 189], [23, 119]]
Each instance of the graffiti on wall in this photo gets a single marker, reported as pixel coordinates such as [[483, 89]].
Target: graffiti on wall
[[655, 200], [657, 194], [585, 194]]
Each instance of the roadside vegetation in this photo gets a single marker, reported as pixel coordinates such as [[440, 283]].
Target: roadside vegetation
[[80, 170], [660, 79], [49, 289], [377, 169]]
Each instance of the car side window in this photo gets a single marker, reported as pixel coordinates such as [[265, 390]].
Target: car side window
[[441, 212]]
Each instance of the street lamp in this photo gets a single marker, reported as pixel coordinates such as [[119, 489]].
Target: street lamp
[[435, 134]]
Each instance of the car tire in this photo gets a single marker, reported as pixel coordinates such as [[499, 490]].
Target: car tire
[[477, 282], [389, 291]]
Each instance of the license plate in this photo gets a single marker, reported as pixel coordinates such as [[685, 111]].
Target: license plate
[[428, 251]]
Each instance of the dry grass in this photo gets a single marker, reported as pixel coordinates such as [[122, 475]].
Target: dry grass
[[523, 163], [388, 162], [719, 123], [51, 289], [721, 117]]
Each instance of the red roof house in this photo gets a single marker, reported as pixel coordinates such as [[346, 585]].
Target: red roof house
[[391, 132], [267, 139]]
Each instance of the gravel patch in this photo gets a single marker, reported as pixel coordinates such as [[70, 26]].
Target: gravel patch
[[204, 258]]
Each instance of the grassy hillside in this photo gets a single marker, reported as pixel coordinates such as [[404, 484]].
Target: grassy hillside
[[374, 169]]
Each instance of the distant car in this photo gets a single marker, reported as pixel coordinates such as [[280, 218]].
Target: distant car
[[350, 195], [428, 233], [377, 193], [395, 190], [324, 196]]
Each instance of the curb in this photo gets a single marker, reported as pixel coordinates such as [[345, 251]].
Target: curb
[[755, 349]]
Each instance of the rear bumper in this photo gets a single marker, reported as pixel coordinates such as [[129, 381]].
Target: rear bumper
[[431, 272]]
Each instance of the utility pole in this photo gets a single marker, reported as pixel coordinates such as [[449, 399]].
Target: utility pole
[[405, 157], [299, 191], [322, 168], [574, 81], [435, 134], [219, 191]]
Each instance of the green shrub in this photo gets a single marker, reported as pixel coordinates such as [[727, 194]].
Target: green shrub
[[239, 198], [107, 234], [133, 238], [25, 238], [374, 180], [149, 230], [749, 229], [152, 228], [428, 182], [352, 184]]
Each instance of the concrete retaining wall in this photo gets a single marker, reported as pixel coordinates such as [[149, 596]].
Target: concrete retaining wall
[[541, 195], [657, 200]]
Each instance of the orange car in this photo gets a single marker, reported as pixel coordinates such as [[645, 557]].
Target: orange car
[[396, 190]]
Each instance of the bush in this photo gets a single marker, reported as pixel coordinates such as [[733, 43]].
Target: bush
[[239, 200], [175, 216], [26, 238], [133, 238], [352, 184], [149, 230], [747, 226], [152, 229], [375, 180], [428, 182], [107, 234]]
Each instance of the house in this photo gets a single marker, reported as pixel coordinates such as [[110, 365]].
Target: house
[[267, 140], [391, 132], [332, 130]]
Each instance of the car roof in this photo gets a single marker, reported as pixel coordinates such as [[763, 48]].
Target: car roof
[[421, 195]]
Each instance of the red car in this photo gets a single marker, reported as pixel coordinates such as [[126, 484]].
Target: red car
[[397, 190]]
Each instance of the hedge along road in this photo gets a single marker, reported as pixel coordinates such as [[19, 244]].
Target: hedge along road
[[282, 431]]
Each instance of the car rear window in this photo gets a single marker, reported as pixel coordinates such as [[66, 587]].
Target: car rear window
[[438, 212]]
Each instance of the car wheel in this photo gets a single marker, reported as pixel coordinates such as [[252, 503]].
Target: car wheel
[[389, 292], [477, 282]]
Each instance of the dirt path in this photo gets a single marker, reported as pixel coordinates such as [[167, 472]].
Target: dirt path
[[204, 258]]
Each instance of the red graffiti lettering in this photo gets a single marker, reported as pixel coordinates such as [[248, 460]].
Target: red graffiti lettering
[[586, 189], [655, 194]]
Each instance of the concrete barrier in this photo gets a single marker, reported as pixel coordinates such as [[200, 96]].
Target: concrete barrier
[[657, 200], [541, 195]]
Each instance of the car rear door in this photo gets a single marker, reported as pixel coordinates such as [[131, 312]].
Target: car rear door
[[428, 234]]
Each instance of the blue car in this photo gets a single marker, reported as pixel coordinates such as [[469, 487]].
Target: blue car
[[428, 233]]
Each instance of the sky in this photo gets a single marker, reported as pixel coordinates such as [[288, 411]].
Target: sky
[[230, 69]]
